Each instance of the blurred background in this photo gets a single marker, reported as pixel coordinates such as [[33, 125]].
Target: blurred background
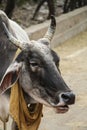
[[37, 11]]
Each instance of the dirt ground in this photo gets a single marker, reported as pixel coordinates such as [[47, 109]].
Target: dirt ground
[[73, 64], [23, 14], [26, 11]]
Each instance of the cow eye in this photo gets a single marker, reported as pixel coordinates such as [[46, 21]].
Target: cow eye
[[33, 63], [34, 66]]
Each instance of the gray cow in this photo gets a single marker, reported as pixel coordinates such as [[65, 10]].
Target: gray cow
[[35, 68]]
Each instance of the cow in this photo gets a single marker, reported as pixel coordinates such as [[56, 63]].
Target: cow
[[70, 5], [51, 7], [35, 68], [10, 5]]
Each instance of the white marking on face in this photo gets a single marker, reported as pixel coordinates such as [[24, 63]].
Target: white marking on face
[[36, 95]]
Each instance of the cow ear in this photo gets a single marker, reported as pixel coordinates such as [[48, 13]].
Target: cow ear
[[11, 76], [56, 58]]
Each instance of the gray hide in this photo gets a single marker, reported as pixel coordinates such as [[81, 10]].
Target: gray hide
[[35, 67]]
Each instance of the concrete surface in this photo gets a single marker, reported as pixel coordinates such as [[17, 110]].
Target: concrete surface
[[68, 25]]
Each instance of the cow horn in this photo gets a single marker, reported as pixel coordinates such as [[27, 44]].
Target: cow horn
[[14, 40], [51, 30]]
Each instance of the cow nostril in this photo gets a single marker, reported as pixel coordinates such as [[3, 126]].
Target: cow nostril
[[68, 98], [65, 97]]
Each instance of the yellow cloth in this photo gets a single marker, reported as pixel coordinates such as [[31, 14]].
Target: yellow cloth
[[25, 119]]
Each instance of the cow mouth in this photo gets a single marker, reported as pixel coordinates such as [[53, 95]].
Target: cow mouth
[[62, 109]]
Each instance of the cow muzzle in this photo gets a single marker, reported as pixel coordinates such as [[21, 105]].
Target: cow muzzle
[[64, 100]]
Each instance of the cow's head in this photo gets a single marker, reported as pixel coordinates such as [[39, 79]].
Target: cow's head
[[37, 71]]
